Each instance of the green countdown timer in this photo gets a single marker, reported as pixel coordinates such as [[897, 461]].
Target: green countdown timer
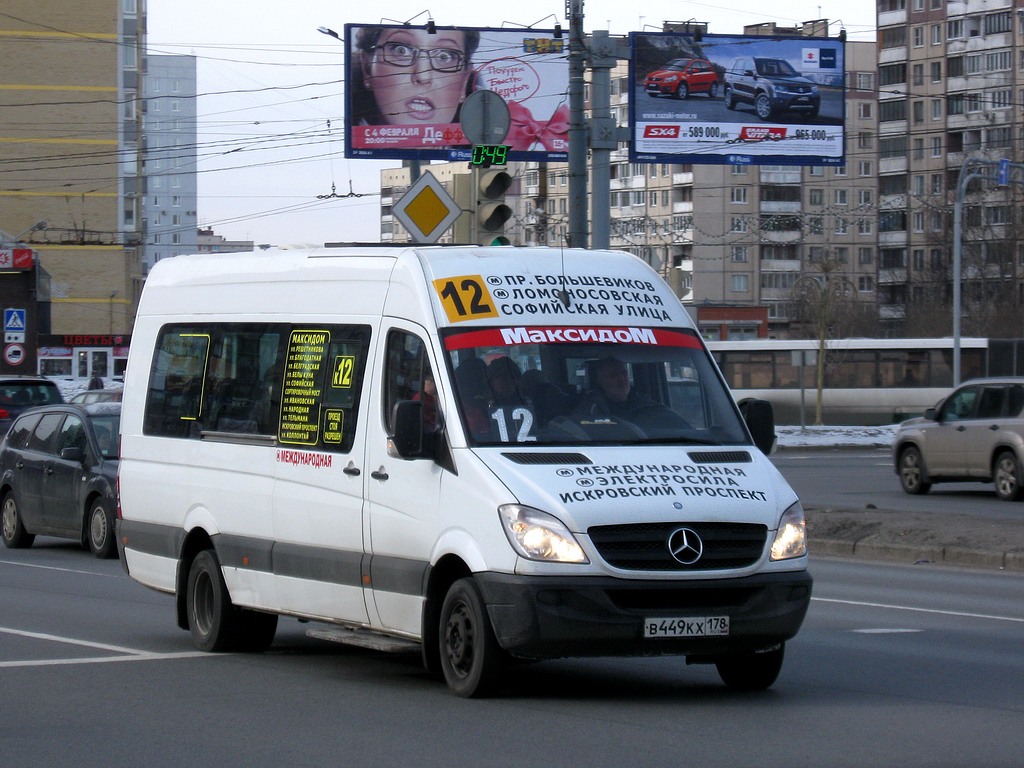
[[486, 155]]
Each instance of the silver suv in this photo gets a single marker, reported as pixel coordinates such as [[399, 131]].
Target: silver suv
[[976, 433], [771, 86]]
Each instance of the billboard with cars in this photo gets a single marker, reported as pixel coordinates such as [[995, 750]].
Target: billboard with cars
[[736, 99], [405, 86]]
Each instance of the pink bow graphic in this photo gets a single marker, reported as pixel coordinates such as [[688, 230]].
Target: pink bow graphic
[[524, 131]]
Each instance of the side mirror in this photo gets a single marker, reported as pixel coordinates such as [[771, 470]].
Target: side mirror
[[406, 441], [73, 454], [760, 418], [930, 414]]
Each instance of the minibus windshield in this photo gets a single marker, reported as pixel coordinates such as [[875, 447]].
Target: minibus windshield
[[589, 385]]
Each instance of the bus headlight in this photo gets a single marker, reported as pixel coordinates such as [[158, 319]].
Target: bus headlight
[[791, 537], [537, 535]]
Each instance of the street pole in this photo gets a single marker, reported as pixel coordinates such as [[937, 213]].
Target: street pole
[[965, 178], [578, 231]]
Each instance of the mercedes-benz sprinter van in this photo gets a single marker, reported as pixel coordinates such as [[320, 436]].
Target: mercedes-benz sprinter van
[[486, 453]]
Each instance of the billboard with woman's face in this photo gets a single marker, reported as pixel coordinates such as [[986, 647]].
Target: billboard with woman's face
[[405, 87]]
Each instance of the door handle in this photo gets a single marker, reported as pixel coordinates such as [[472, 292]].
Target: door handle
[[379, 474], [49, 470], [352, 469], [994, 427]]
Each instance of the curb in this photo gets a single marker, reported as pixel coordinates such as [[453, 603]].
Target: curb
[[1012, 560]]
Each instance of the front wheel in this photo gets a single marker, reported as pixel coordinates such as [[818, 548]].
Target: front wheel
[[471, 659], [1007, 476], [683, 91], [754, 671], [730, 102], [911, 469], [763, 106], [100, 531], [13, 529]]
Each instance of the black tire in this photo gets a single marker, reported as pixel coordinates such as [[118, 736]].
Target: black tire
[[471, 659], [730, 102], [751, 671], [912, 472], [12, 528], [1006, 473], [683, 91], [212, 618], [713, 90], [99, 531], [763, 107]]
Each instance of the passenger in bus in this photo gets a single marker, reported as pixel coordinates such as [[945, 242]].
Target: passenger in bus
[[504, 378], [474, 395]]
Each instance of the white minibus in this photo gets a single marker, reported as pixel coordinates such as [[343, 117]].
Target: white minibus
[[483, 453]]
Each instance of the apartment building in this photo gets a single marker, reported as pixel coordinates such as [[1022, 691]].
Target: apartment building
[[169, 122], [70, 189], [950, 94]]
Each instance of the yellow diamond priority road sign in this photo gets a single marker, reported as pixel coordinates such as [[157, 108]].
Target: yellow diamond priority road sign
[[426, 209]]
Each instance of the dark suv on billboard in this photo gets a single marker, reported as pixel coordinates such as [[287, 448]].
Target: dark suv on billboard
[[771, 86]]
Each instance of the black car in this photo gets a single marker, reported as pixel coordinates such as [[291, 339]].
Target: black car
[[771, 86], [58, 475], [19, 393]]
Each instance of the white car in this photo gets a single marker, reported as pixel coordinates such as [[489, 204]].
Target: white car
[[976, 433]]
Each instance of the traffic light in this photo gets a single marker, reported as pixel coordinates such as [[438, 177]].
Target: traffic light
[[491, 211]]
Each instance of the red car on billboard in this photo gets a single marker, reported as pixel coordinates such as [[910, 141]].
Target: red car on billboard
[[681, 77]]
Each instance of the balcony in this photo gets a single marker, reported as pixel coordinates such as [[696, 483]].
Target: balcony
[[895, 276], [893, 164], [780, 206], [780, 236], [779, 265], [785, 176], [683, 207]]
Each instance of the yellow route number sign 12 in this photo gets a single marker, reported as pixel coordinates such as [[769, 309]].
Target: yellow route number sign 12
[[465, 298]]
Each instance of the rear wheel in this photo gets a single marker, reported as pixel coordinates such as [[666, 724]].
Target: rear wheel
[[1007, 476], [754, 671], [100, 531], [214, 621], [471, 659], [713, 90], [911, 469], [12, 529]]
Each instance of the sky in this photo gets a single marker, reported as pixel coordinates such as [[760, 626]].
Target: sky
[[272, 167]]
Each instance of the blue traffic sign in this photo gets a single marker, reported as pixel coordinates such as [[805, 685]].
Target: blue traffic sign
[[14, 320]]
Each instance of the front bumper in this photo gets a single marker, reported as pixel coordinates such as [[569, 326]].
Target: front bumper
[[543, 618]]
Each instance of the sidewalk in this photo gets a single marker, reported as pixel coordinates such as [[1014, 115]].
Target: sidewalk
[[960, 540]]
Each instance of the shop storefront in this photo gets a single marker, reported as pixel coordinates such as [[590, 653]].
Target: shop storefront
[[70, 356]]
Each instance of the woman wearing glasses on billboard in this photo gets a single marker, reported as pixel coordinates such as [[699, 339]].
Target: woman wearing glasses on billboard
[[411, 77]]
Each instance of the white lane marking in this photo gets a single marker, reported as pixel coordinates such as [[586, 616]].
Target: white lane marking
[[961, 614], [107, 659], [128, 654], [62, 570], [883, 631]]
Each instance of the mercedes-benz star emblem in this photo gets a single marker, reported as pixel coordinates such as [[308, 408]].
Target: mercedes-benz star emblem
[[685, 546]]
